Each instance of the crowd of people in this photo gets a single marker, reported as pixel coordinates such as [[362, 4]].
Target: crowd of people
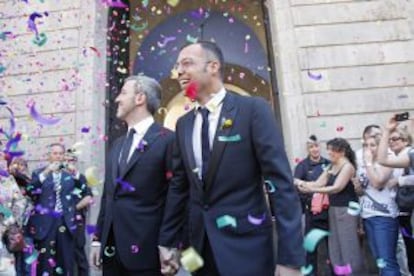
[[363, 201], [221, 184]]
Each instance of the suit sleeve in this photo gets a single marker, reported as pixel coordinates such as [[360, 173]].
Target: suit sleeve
[[101, 215], [171, 232], [35, 186], [300, 171], [275, 167]]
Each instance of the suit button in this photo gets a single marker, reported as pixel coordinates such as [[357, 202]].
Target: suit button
[[206, 206]]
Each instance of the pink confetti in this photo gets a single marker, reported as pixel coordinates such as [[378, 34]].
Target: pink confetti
[[114, 3], [343, 270], [134, 249], [166, 41]]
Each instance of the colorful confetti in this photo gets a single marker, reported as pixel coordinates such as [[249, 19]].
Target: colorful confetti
[[312, 239], [354, 208], [226, 220], [314, 76], [256, 220], [191, 260], [343, 270], [42, 120]]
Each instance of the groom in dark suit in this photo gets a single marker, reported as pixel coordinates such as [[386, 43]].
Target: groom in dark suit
[[225, 150], [136, 183]]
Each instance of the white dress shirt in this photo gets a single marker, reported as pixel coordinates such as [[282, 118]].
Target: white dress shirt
[[140, 129], [214, 106]]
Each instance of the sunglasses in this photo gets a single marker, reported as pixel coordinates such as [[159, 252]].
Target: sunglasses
[[394, 139]]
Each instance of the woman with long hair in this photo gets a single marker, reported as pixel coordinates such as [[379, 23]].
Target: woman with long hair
[[344, 248]]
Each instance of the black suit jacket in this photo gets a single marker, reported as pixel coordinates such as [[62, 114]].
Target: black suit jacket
[[44, 196], [244, 153], [133, 203]]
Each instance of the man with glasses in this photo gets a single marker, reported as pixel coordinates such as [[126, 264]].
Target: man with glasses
[[224, 150]]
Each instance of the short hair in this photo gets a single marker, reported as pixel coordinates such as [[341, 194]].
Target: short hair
[[56, 144], [150, 87], [312, 139], [404, 134], [369, 129], [212, 49]]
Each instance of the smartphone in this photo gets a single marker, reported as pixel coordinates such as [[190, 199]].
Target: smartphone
[[402, 116]]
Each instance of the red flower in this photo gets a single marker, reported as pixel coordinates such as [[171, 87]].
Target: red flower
[[191, 91]]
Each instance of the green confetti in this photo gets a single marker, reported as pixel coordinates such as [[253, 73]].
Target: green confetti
[[226, 220], [234, 138], [312, 239]]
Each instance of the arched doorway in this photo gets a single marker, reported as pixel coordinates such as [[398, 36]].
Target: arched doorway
[[152, 33]]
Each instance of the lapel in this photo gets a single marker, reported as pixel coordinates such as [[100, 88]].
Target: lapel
[[150, 136], [188, 144], [228, 111], [115, 158]]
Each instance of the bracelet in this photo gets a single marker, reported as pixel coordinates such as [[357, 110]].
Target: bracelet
[[95, 244]]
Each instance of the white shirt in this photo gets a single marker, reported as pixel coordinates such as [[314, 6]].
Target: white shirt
[[140, 129], [214, 106]]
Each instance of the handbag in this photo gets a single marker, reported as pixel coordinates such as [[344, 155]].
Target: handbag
[[319, 203], [13, 238], [405, 198], [405, 194]]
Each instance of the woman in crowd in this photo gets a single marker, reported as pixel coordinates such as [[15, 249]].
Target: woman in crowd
[[399, 142], [344, 248], [12, 202], [379, 209], [309, 169], [19, 169]]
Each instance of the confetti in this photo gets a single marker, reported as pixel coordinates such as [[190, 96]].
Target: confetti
[[339, 128], [125, 185], [381, 263], [255, 220], [233, 138], [51, 262], [305, 270], [173, 3], [2, 68], [166, 41], [168, 175], [270, 188], [109, 251], [134, 249], [191, 260], [191, 39], [145, 3], [29, 260], [40, 39], [354, 209], [114, 3], [95, 50], [85, 129], [59, 270], [41, 120], [91, 229], [226, 220], [343, 270], [139, 28], [90, 174], [312, 239], [314, 76], [405, 233]]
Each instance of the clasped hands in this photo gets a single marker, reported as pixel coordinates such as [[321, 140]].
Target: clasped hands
[[169, 260], [302, 186]]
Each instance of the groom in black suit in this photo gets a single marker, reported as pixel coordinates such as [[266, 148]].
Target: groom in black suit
[[136, 183], [225, 149]]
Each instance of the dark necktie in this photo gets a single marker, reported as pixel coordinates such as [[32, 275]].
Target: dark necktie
[[126, 146], [205, 141]]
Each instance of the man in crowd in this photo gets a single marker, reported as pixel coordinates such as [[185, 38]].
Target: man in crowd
[[57, 192]]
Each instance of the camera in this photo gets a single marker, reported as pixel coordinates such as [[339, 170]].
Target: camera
[[63, 166], [402, 116]]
